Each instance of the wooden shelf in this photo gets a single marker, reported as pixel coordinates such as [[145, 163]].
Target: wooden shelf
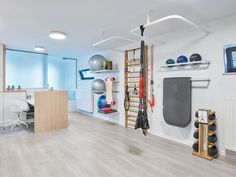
[[205, 62], [105, 71]]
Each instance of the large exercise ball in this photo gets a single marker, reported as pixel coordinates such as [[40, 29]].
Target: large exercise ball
[[96, 62], [102, 103], [98, 86]]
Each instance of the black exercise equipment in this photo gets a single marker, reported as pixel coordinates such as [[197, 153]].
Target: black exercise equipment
[[212, 151], [212, 116], [195, 146], [212, 127], [195, 57], [182, 59], [196, 124], [196, 134], [142, 119], [196, 114], [127, 99], [212, 138]]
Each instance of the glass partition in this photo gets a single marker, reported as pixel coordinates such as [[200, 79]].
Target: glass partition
[[35, 70]]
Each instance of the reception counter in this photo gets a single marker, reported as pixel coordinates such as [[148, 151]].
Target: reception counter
[[51, 110]]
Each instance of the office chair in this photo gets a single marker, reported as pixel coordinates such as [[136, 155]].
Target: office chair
[[18, 107]]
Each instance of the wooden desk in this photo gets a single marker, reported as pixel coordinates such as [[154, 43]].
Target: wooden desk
[[51, 110]]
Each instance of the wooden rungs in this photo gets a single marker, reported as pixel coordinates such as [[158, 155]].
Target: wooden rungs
[[132, 96], [133, 64], [134, 111]]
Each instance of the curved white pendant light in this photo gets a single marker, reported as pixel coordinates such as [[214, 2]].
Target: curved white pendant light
[[149, 24]]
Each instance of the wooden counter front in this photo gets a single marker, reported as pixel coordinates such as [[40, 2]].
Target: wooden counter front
[[51, 110]]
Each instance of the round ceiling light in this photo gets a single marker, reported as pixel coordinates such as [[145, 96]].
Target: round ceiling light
[[39, 49], [57, 35]]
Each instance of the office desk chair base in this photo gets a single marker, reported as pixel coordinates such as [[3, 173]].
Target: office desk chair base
[[16, 123]]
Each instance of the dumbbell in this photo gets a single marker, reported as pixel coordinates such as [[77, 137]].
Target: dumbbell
[[196, 124], [195, 146], [212, 116], [212, 150], [196, 114], [212, 138], [196, 134], [212, 126]]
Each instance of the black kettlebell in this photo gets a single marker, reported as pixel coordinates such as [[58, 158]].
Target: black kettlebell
[[196, 114], [212, 138], [196, 124], [196, 134], [212, 151], [212, 127], [212, 116], [195, 146]]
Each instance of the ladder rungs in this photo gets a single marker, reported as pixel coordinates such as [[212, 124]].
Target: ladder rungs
[[133, 64], [134, 111]]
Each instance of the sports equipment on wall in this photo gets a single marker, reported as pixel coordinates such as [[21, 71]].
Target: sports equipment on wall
[[98, 86], [109, 84], [177, 100], [142, 119], [102, 103], [105, 64], [152, 97], [170, 61], [195, 57], [127, 99], [95, 62], [182, 59]]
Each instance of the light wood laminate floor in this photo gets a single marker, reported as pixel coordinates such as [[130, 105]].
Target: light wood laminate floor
[[91, 147]]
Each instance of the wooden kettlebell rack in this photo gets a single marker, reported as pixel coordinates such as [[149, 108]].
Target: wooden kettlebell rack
[[203, 130]]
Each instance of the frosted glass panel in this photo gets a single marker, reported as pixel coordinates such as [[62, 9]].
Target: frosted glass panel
[[62, 75], [56, 73], [25, 69]]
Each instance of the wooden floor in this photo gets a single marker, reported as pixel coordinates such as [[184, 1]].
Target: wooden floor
[[92, 147]]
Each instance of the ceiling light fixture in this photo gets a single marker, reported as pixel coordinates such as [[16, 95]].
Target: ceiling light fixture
[[57, 35], [39, 49]]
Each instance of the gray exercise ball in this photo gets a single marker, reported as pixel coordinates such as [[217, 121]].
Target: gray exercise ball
[[98, 86], [95, 62]]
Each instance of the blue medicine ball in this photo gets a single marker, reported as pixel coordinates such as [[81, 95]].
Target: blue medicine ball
[[182, 59], [102, 103]]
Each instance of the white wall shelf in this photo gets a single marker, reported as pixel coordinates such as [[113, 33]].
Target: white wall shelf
[[105, 71], [103, 92], [205, 62]]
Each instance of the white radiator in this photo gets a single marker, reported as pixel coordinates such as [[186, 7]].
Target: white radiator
[[84, 96], [230, 125]]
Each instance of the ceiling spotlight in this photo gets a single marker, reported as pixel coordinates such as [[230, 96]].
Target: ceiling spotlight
[[57, 35], [39, 49]]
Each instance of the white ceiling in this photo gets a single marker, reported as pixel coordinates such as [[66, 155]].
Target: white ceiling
[[26, 23]]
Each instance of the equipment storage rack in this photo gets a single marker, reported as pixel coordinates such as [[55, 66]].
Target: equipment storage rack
[[132, 72]]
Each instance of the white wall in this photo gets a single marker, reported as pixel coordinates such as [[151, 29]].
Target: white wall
[[221, 86]]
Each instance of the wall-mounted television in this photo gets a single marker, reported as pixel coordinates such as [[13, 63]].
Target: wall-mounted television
[[230, 58]]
